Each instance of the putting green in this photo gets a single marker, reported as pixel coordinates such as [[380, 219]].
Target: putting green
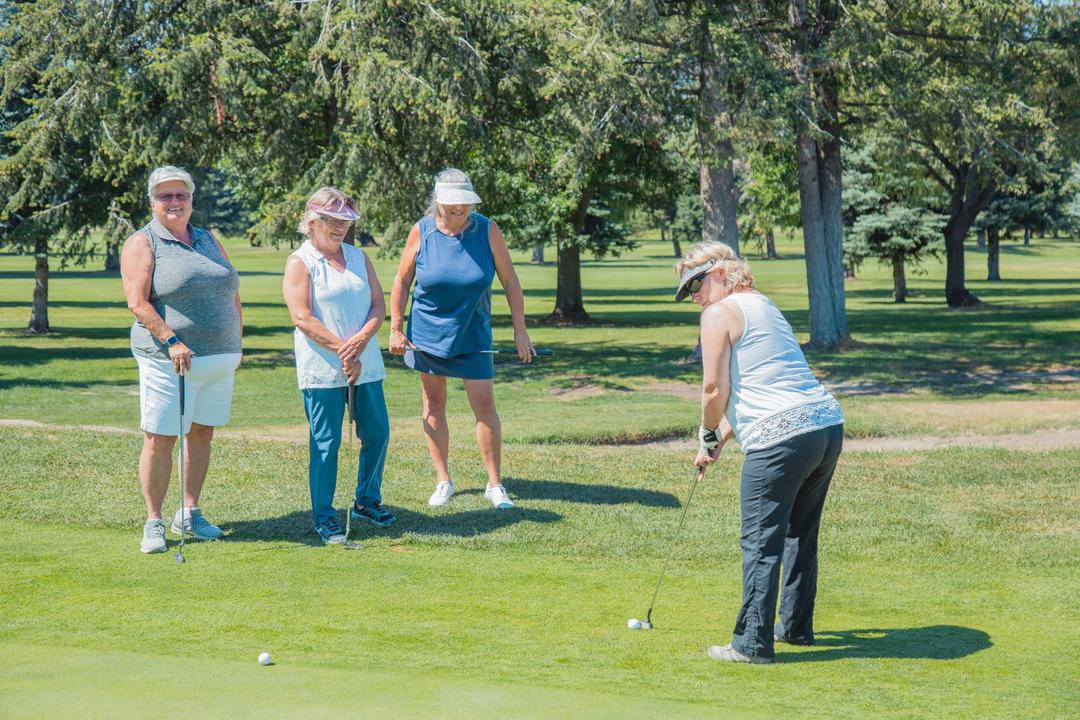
[[59, 682]]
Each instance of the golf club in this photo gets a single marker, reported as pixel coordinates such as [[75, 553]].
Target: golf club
[[179, 557], [500, 351], [350, 404], [674, 541]]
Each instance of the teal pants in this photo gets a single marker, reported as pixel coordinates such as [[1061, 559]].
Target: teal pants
[[325, 409]]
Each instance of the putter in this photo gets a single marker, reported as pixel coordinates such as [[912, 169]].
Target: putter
[[350, 401], [179, 557], [674, 541]]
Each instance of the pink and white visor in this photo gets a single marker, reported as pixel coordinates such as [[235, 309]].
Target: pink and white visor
[[335, 208]]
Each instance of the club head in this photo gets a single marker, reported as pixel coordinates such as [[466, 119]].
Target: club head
[[179, 558], [352, 546]]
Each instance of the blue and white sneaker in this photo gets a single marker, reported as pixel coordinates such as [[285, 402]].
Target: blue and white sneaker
[[373, 513], [153, 536], [498, 497], [331, 533], [196, 525]]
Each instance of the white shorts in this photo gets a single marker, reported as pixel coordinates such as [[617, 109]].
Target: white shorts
[[208, 388]]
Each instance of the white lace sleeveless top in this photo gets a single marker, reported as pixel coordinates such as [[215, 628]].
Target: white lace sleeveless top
[[774, 394], [342, 301]]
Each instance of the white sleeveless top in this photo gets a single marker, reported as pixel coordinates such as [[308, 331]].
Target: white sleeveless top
[[774, 394], [342, 301]]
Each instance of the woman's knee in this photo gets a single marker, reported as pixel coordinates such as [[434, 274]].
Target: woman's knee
[[200, 433], [155, 443]]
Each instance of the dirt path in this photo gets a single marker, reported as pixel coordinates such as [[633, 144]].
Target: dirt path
[[1053, 439]]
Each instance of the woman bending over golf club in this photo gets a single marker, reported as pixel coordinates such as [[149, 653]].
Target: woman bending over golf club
[[758, 387], [336, 303], [183, 292], [453, 255]]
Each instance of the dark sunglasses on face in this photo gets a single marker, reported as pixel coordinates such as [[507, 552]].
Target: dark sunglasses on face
[[171, 197], [694, 285]]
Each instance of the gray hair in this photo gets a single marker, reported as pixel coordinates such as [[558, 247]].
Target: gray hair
[[449, 175], [165, 173]]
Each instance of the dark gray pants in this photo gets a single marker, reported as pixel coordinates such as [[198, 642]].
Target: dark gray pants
[[781, 496]]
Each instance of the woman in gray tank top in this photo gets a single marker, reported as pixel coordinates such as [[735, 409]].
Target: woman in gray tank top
[[183, 291], [757, 387]]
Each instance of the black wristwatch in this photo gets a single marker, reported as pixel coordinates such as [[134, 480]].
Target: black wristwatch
[[171, 340]]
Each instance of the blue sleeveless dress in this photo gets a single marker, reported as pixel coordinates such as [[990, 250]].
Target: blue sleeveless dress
[[450, 317]]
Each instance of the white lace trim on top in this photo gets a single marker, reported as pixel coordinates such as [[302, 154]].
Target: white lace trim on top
[[790, 422]]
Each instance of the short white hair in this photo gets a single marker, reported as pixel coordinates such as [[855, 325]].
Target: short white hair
[[165, 173]]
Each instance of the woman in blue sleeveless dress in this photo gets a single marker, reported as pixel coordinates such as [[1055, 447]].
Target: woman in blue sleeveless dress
[[453, 254]]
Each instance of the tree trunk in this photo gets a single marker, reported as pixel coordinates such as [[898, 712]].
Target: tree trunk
[[569, 306], [824, 267], [993, 248], [968, 198], [770, 245], [112, 257], [538, 253], [820, 186], [1027, 236], [719, 194], [569, 303], [899, 279], [39, 312], [980, 238]]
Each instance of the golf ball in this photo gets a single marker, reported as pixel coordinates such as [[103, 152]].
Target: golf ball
[[264, 658], [634, 624]]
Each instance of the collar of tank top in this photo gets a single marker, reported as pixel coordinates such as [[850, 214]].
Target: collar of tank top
[[178, 233], [450, 224]]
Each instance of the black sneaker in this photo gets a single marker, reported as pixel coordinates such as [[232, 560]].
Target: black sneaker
[[780, 636], [373, 513]]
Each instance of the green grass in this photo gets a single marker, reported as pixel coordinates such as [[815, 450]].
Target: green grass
[[949, 579]]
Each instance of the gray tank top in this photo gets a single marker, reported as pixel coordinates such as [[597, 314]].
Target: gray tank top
[[193, 289]]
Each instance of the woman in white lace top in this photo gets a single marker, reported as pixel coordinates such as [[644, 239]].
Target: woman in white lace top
[[758, 388]]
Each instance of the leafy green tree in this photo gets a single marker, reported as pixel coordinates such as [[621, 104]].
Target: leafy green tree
[[770, 195], [976, 90], [890, 209], [97, 94]]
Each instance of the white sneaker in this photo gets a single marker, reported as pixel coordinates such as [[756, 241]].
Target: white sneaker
[[153, 536], [196, 525], [727, 653], [498, 497], [443, 492]]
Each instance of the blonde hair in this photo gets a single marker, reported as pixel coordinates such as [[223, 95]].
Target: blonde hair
[[736, 271], [323, 197]]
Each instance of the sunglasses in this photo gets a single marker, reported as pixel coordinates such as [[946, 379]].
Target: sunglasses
[[335, 223], [694, 285], [170, 197]]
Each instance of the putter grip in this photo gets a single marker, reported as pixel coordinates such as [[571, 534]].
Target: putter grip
[[181, 395]]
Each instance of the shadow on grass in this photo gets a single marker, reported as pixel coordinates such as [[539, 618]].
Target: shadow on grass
[[583, 493], [297, 527], [933, 642]]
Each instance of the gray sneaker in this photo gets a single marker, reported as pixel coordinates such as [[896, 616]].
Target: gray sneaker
[[196, 525], [153, 536]]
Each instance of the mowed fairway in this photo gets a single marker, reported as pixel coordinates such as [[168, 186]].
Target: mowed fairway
[[949, 577]]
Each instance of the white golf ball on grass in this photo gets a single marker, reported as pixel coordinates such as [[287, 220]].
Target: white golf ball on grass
[[634, 624], [264, 658]]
